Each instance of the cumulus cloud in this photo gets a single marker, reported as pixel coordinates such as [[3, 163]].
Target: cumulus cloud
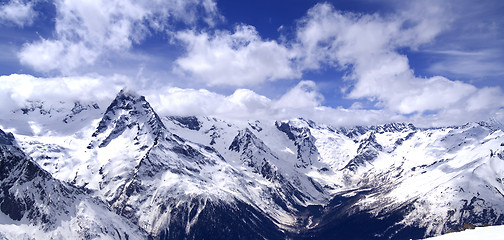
[[304, 95], [85, 30], [248, 99], [242, 104], [62, 55], [237, 59], [184, 102], [18, 12], [368, 46], [245, 104], [299, 101]]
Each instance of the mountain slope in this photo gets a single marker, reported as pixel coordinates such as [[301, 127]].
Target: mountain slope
[[445, 178], [189, 177], [163, 183], [399, 172], [35, 205], [40, 117], [488, 233]]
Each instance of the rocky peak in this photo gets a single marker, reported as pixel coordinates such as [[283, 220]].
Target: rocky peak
[[394, 127], [255, 154], [6, 138], [388, 127], [369, 143], [354, 131], [367, 151], [243, 140], [18, 177], [189, 122], [32, 195], [301, 135], [127, 111]]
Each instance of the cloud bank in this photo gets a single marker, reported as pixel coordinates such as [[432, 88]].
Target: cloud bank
[[303, 100]]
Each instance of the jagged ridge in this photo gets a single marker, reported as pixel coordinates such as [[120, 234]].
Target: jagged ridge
[[297, 178]]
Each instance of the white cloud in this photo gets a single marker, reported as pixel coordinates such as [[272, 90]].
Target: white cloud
[[86, 30], [62, 55], [16, 89], [303, 100], [237, 59], [18, 92], [485, 99], [368, 46], [18, 12], [248, 99], [244, 104], [328, 36], [304, 95], [184, 102], [469, 64]]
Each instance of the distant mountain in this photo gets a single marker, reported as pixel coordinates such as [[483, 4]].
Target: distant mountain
[[37, 117], [198, 177]]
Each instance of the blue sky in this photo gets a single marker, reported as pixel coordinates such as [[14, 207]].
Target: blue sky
[[343, 62]]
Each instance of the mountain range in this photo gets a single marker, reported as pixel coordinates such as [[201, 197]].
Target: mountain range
[[80, 170]]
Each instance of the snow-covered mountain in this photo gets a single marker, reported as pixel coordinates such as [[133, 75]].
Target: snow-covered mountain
[[487, 233], [42, 118], [200, 177], [34, 205]]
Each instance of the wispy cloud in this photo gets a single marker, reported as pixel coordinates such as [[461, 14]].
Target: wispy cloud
[[368, 45], [469, 64], [471, 46], [86, 30], [17, 12]]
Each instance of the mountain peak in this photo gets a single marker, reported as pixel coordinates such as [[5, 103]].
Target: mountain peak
[[189, 122], [244, 139], [126, 92], [6, 138], [395, 127], [126, 111], [356, 131], [125, 100], [298, 131]]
